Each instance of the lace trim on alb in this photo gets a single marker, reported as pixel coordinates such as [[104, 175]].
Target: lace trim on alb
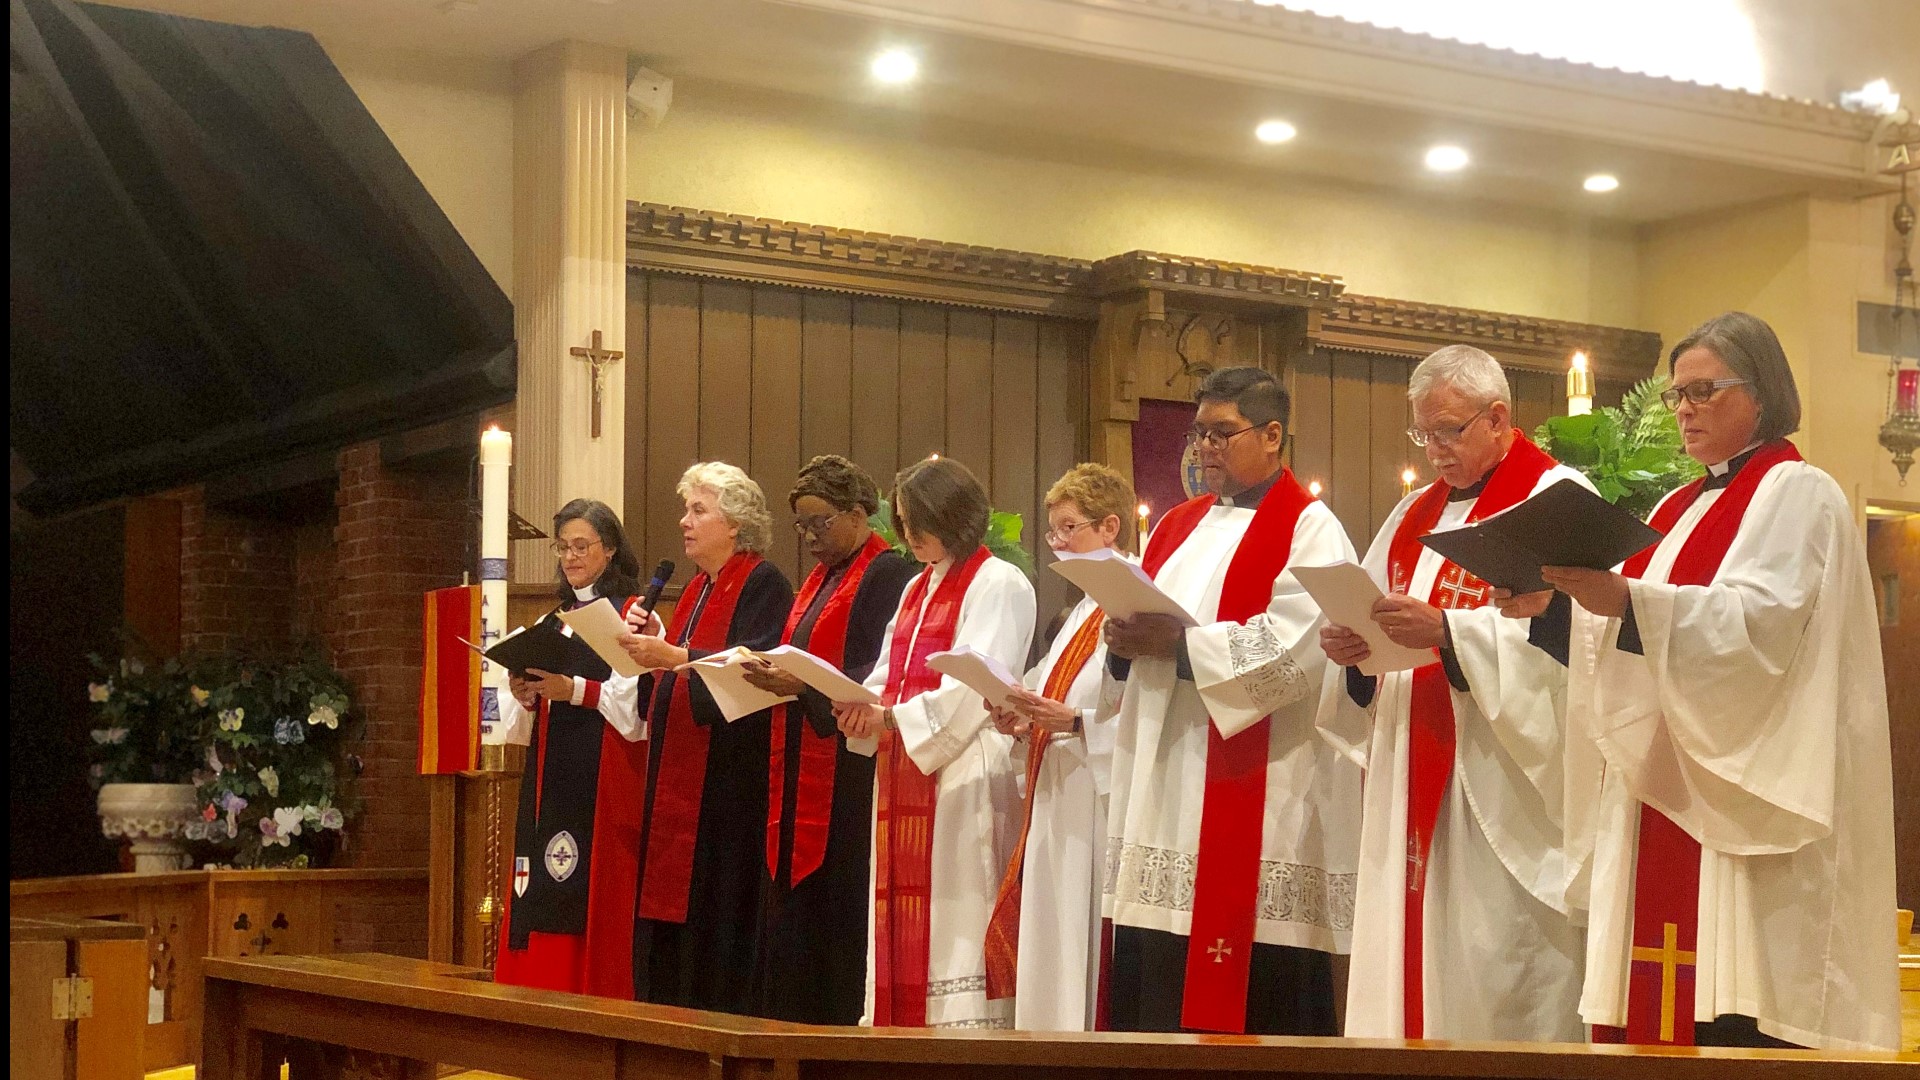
[[1289, 892]]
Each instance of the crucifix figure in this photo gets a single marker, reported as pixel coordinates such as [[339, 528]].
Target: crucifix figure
[[596, 356]]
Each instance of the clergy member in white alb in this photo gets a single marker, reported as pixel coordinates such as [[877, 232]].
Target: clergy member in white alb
[[1233, 826], [1729, 781], [1462, 929], [945, 794], [1043, 943]]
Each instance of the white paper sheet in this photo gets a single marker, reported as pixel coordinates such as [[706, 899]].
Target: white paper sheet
[[725, 676], [981, 673], [1347, 593], [1120, 587], [819, 674], [600, 626]]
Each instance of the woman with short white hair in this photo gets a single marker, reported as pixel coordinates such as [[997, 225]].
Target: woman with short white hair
[[705, 804]]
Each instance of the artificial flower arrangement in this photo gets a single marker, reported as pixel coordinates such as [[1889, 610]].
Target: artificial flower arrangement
[[263, 743]]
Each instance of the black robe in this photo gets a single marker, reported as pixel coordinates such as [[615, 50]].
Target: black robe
[[814, 937], [708, 961]]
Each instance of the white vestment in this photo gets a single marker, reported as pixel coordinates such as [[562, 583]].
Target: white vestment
[[1501, 958], [1310, 830], [947, 733], [1059, 960], [1757, 720]]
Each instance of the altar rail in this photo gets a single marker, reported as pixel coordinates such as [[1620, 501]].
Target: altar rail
[[193, 914], [377, 1015]]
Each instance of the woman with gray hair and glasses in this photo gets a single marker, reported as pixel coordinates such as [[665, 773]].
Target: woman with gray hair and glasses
[[695, 941], [1729, 800]]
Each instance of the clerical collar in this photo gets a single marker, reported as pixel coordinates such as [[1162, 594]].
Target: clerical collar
[[1719, 476], [1465, 493], [589, 594], [1250, 498]]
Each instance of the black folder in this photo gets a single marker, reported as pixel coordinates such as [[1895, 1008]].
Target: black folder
[[1565, 525], [541, 645]]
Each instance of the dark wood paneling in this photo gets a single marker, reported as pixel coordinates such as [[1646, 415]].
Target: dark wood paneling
[[876, 387], [923, 384], [1011, 483], [634, 490], [1536, 396], [726, 370], [1060, 418], [1393, 454], [672, 432], [970, 391], [1313, 418], [775, 438], [1351, 490], [826, 375]]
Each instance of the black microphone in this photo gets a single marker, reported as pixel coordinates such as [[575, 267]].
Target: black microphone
[[661, 575]]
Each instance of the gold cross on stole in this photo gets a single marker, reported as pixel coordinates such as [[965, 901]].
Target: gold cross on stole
[[1669, 956], [596, 356], [1220, 950]]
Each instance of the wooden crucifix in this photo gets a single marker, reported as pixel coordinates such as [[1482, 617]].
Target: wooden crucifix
[[596, 356]]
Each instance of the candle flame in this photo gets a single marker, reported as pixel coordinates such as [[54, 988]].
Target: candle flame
[[1408, 476], [933, 457], [1579, 361], [1313, 488], [1143, 509]]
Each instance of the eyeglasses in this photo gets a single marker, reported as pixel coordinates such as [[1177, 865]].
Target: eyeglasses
[[817, 526], [578, 549], [1699, 391], [1217, 441], [1064, 534], [1442, 436]]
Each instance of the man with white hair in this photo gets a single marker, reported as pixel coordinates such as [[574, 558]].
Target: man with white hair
[[1461, 927]]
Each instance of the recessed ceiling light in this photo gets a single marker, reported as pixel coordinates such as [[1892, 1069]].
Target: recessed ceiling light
[[1601, 183], [1446, 159], [894, 66], [1275, 131]]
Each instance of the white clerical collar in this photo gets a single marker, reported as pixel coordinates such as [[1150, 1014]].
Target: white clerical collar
[[1720, 468], [587, 595]]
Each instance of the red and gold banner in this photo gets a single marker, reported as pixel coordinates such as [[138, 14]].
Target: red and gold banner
[[450, 682]]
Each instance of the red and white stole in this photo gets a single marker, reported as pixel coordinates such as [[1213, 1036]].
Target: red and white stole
[[1003, 929], [1666, 878], [813, 787], [666, 875], [1226, 883], [1433, 730], [904, 802]]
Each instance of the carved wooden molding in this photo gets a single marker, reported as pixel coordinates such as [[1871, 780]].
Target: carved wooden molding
[[701, 242], [1399, 327], [1210, 277]]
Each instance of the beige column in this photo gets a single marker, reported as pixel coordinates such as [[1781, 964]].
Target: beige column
[[569, 255]]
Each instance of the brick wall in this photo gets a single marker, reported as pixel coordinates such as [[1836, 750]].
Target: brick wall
[[399, 533], [237, 580], [313, 583]]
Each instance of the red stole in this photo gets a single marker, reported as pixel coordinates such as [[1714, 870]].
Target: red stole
[[667, 876], [1003, 929], [1226, 883], [1432, 731], [813, 788], [903, 806], [1666, 878]]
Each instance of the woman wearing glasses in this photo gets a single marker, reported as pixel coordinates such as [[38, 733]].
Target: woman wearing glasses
[[813, 958], [573, 852], [706, 796], [1729, 793], [945, 792], [1050, 895]]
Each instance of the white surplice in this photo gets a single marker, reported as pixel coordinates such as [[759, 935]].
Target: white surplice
[[947, 734], [1311, 824], [1059, 961], [1501, 957], [1757, 720]]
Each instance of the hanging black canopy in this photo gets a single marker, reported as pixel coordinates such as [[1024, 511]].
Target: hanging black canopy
[[218, 260]]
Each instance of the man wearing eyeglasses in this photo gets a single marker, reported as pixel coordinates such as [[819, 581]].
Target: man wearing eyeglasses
[[1233, 828], [1461, 927]]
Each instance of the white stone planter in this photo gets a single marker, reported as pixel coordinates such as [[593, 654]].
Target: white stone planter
[[153, 817]]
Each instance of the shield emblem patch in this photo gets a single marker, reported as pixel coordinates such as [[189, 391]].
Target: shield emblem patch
[[563, 856]]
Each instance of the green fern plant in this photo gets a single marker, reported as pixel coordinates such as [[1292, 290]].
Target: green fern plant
[[1633, 453], [1002, 540]]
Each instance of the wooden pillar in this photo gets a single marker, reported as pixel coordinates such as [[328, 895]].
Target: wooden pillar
[[569, 281]]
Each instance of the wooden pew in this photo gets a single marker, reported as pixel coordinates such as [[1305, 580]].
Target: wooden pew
[[78, 999], [378, 1015]]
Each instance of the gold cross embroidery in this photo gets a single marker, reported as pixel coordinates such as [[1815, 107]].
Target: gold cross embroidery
[[1220, 950], [1669, 956]]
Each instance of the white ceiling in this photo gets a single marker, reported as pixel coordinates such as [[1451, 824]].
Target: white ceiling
[[1049, 100]]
